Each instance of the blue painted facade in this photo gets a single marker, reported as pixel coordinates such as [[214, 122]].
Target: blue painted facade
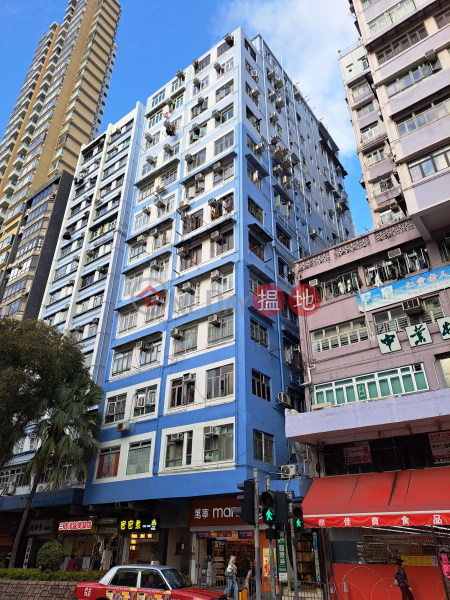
[[296, 182]]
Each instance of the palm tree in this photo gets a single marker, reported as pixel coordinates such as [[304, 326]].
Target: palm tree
[[68, 435]]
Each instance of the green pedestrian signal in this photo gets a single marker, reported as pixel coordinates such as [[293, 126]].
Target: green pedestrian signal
[[297, 511], [269, 516], [298, 523], [269, 507]]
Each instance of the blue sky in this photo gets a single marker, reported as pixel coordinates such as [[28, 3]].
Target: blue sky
[[155, 40]]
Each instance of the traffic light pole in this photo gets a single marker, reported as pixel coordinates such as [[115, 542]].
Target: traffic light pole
[[271, 555], [294, 553], [257, 545]]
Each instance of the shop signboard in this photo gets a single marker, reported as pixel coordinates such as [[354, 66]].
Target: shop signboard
[[316, 558], [138, 525], [405, 289], [357, 454], [246, 535], [215, 512], [419, 561], [282, 558], [440, 447], [381, 520], [75, 526], [40, 526]]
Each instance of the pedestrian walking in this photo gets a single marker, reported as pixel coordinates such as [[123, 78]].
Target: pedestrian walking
[[401, 580], [231, 574]]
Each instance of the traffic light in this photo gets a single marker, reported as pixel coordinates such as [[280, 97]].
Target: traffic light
[[297, 511], [247, 510], [269, 507], [282, 517]]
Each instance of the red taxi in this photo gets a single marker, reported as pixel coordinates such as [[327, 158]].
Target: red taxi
[[143, 582]]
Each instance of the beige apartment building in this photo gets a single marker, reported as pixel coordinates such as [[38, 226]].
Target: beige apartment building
[[59, 108]]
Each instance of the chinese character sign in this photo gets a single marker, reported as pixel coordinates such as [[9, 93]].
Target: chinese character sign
[[357, 454], [304, 300], [440, 447], [388, 342], [405, 289], [444, 327], [418, 335], [269, 299], [137, 525], [75, 526]]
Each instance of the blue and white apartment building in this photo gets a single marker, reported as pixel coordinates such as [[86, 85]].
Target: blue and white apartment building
[[235, 180]]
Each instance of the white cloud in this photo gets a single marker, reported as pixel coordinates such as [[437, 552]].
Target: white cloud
[[306, 35]]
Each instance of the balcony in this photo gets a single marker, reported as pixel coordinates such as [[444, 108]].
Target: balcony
[[15, 174], [10, 187]]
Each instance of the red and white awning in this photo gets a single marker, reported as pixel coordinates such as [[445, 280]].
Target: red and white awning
[[401, 498]]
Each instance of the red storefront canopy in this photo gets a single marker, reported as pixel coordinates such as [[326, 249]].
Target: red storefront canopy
[[398, 498]]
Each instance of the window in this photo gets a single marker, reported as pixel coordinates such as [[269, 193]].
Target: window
[[375, 157], [92, 329], [255, 210], [369, 132], [108, 465], [344, 334], [249, 48], [182, 392], [260, 385], [401, 45], [224, 143], [382, 186], [139, 459], [219, 382], [338, 285], [226, 172], [158, 98], [60, 272], [128, 320], [202, 64], [219, 446], [221, 332], [193, 259], [444, 247], [169, 153], [115, 409], [151, 353], [403, 380], [198, 109], [140, 220], [98, 300], [225, 244], [388, 216], [225, 115], [179, 102], [154, 311], [263, 447], [283, 238], [227, 88], [137, 251], [169, 177], [179, 449], [253, 176], [365, 110], [443, 19], [423, 116], [412, 77], [197, 160], [256, 247], [253, 120], [251, 144], [410, 261], [154, 140], [188, 341], [145, 401], [226, 66], [254, 284], [155, 119], [223, 48], [387, 18], [259, 333], [167, 208], [248, 90], [396, 320], [223, 286], [444, 364], [122, 361], [357, 91]]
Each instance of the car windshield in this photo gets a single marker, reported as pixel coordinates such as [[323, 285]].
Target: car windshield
[[176, 579]]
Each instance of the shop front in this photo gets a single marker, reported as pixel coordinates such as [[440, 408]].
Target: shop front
[[78, 538], [374, 520], [140, 540]]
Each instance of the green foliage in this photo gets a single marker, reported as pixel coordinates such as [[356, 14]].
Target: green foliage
[[189, 578], [35, 360], [38, 575], [50, 556], [291, 583]]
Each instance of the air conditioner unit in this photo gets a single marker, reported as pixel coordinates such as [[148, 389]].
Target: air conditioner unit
[[259, 148], [42, 487], [217, 66], [141, 238], [229, 39], [148, 136], [189, 377], [180, 73], [176, 333], [213, 202], [159, 189], [284, 399], [79, 328], [97, 201], [274, 117], [71, 282], [189, 287], [90, 253], [159, 203], [168, 148], [277, 169], [296, 348], [115, 148], [393, 205], [125, 426], [256, 91], [208, 456], [217, 167], [194, 127], [21, 230], [147, 210], [196, 82], [211, 430], [431, 55], [322, 406], [254, 74], [182, 251], [66, 306], [396, 253], [95, 320], [176, 437], [289, 471], [215, 114], [26, 291], [154, 265], [214, 319], [154, 232], [185, 217], [190, 193], [200, 99], [10, 489], [312, 233], [151, 160], [274, 139], [159, 300], [142, 345], [189, 158], [413, 306], [199, 177], [215, 275], [184, 205], [270, 75], [216, 236]]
